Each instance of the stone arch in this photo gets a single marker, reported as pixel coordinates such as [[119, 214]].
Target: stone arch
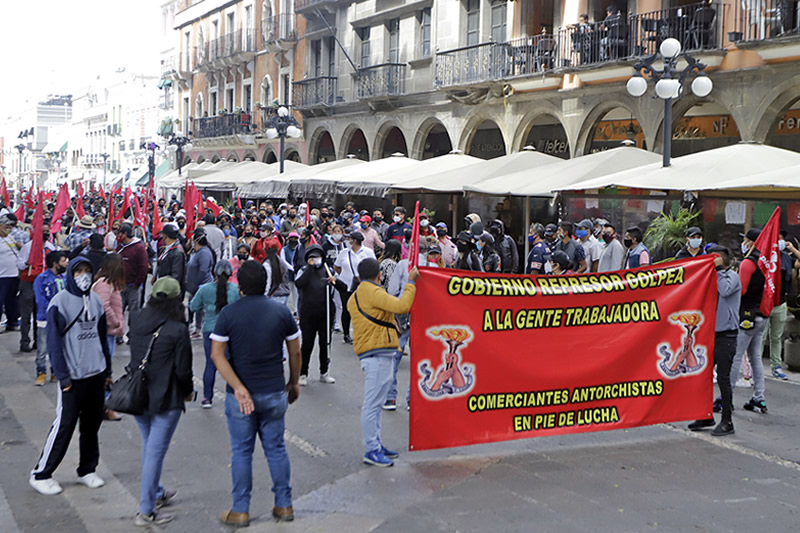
[[320, 145], [537, 118], [269, 156], [201, 159], [186, 160], [388, 131], [232, 156], [354, 142], [292, 153], [772, 107], [682, 106], [421, 142], [583, 142], [215, 157], [249, 155], [476, 123]]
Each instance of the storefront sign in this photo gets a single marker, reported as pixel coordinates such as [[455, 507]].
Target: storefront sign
[[501, 357]]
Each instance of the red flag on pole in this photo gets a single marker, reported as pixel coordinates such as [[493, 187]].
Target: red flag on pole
[[79, 211], [20, 212], [216, 209], [111, 216], [138, 219], [413, 250], [62, 203], [29, 203], [4, 193], [189, 203], [239, 202], [126, 204], [770, 262], [36, 256]]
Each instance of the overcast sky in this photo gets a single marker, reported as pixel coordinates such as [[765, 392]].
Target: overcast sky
[[56, 47]]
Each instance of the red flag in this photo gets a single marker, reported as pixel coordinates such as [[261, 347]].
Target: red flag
[[20, 212], [770, 262], [157, 225], [216, 209], [111, 216], [138, 219], [29, 203], [79, 211], [126, 204], [413, 250], [62, 203], [4, 193], [91, 187], [189, 203], [36, 256], [239, 202]]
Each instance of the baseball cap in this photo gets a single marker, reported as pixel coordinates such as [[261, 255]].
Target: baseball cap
[[550, 229], [293, 235], [694, 230], [357, 236], [170, 231], [586, 224], [166, 288], [435, 249], [441, 225], [751, 234], [476, 229]]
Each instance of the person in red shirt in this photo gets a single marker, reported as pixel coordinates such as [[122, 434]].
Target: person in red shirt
[[268, 238]]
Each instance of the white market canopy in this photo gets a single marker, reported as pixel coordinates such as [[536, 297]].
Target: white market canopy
[[541, 181], [456, 180], [171, 180], [699, 171], [237, 174], [783, 180], [278, 186], [326, 184], [207, 167]]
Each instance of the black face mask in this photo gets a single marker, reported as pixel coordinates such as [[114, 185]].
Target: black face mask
[[441, 232], [248, 233], [628, 243], [242, 257], [462, 247], [269, 211], [60, 269], [292, 215], [378, 220], [181, 224]]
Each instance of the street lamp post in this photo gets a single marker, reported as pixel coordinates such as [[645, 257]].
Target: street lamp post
[[151, 161], [105, 157], [669, 82], [178, 145], [282, 125], [21, 148]]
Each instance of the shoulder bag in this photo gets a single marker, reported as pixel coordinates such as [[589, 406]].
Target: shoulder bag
[[129, 393]]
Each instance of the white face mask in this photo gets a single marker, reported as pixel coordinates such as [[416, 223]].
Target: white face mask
[[424, 223], [745, 248], [337, 237], [397, 219], [695, 242], [316, 261], [83, 281], [781, 245]]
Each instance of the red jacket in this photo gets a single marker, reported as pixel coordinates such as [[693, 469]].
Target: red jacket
[[134, 261], [259, 251]]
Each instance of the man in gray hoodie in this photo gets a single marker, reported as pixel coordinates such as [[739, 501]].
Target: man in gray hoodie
[[76, 334]]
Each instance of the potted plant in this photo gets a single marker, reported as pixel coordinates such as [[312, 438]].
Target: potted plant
[[221, 111], [237, 110], [666, 235]]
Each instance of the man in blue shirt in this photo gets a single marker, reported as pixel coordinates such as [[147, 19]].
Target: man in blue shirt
[[253, 331], [539, 257], [397, 229]]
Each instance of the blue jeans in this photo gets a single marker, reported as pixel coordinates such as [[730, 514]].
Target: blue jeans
[[157, 431], [377, 380], [41, 350], [392, 394], [210, 371], [266, 421]]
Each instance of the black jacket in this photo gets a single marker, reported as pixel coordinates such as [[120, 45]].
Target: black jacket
[[173, 265], [312, 283], [169, 370], [507, 249]]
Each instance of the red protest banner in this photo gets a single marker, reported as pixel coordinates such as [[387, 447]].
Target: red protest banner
[[499, 357]]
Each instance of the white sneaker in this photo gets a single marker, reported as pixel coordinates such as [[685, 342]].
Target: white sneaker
[[91, 480], [744, 383], [48, 487], [327, 378], [303, 381]]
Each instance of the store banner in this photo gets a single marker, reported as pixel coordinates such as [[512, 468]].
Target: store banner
[[498, 357]]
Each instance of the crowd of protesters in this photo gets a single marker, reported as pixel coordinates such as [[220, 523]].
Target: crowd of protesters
[[262, 285]]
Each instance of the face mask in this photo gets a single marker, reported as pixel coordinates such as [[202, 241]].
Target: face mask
[[61, 269], [292, 243], [316, 261], [781, 245], [424, 223], [337, 237], [608, 237], [83, 281], [479, 245], [242, 257], [248, 233], [269, 211], [227, 232], [744, 248], [628, 243], [582, 233], [313, 218], [292, 215], [397, 219], [181, 225], [531, 238], [695, 242], [462, 247], [378, 220], [264, 233], [441, 233], [283, 212]]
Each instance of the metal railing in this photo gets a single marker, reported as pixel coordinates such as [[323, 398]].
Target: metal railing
[[470, 64], [279, 28], [228, 124], [300, 5], [388, 79], [764, 19], [236, 42], [314, 92]]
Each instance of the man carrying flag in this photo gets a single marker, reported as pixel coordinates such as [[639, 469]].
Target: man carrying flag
[[760, 274]]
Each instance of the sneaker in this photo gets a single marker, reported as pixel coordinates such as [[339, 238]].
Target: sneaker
[[389, 453], [48, 486], [697, 425], [348, 339], [390, 405], [718, 405], [744, 383], [206, 403], [327, 378], [303, 381], [144, 520], [53, 378], [283, 514], [91, 480], [777, 372], [376, 457], [337, 328], [722, 429], [196, 335], [41, 379], [166, 498], [25, 348], [753, 405]]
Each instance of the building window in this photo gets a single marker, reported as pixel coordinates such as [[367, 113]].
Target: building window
[[394, 41], [213, 99], [473, 22], [285, 92], [186, 114], [425, 32], [248, 97], [499, 21], [331, 56], [363, 35], [316, 57], [229, 100], [187, 51]]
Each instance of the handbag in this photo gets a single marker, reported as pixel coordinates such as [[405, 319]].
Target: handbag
[[129, 393]]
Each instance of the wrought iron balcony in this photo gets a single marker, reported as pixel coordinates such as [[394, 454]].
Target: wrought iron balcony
[[470, 64], [388, 79], [220, 126], [314, 92], [304, 6], [279, 28], [765, 20]]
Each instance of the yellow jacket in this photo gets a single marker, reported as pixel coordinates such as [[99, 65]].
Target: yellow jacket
[[379, 304]]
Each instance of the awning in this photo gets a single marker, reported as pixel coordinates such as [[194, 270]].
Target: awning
[[699, 171], [238, 174], [327, 184], [207, 167], [454, 181], [56, 145], [278, 186], [541, 181], [161, 169], [786, 180], [164, 83]]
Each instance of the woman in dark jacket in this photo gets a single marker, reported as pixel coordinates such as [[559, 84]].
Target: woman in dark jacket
[[198, 272], [169, 384]]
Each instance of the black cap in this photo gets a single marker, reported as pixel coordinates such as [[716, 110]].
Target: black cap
[[694, 230], [357, 236], [476, 229], [169, 231], [561, 258], [550, 229], [751, 234]]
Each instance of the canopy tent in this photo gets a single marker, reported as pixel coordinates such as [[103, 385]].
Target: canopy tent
[[207, 167], [237, 174], [172, 180], [325, 184], [701, 170], [786, 180], [278, 186], [377, 184], [541, 181], [56, 145], [455, 180]]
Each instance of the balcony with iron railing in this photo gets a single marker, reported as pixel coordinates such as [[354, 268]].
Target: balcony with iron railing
[[222, 125], [388, 79], [280, 28], [470, 64], [308, 6], [765, 20], [314, 92]]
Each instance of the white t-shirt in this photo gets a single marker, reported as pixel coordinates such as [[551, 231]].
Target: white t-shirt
[[8, 257], [593, 249], [348, 261]]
